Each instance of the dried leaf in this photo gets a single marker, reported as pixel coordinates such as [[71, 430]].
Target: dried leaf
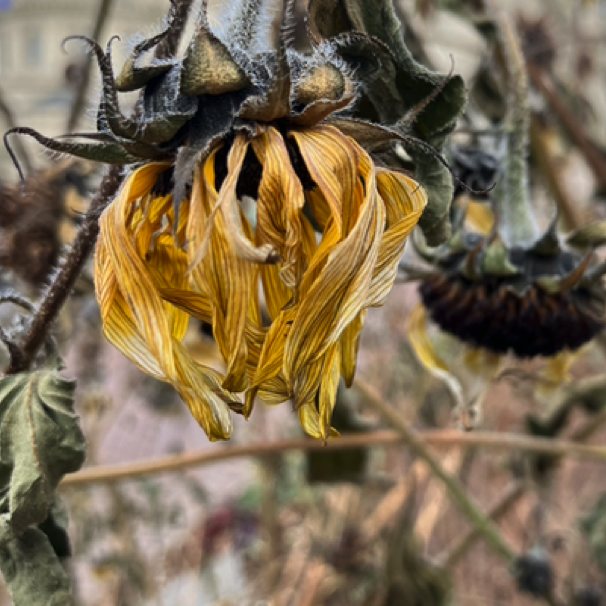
[[30, 568], [40, 441], [399, 90], [401, 82]]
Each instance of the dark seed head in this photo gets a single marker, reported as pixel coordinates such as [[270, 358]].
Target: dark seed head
[[588, 596], [533, 573], [503, 314]]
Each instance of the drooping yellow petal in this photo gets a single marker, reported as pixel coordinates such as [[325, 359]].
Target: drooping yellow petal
[[134, 282], [223, 274], [133, 308], [279, 205], [271, 360], [339, 292], [331, 161], [171, 263], [118, 323], [350, 342], [328, 388], [277, 294], [428, 356], [404, 201]]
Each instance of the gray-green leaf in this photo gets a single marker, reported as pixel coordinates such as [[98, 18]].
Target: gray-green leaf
[[40, 441], [34, 575], [395, 89]]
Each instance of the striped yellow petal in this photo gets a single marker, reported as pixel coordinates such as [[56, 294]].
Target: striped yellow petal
[[428, 356], [279, 205], [331, 161], [133, 278], [339, 292], [137, 318], [223, 274], [350, 342], [404, 201]]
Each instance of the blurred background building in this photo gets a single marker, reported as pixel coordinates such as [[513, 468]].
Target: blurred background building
[[38, 80]]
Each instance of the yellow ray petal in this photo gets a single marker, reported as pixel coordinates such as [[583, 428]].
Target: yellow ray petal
[[428, 356], [279, 205], [208, 204], [131, 317], [134, 282], [338, 294], [310, 421], [223, 274], [277, 295], [331, 161], [118, 323], [350, 342], [271, 360], [328, 388], [205, 397], [404, 201]]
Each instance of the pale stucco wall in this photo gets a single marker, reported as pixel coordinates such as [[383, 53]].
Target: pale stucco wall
[[33, 66]]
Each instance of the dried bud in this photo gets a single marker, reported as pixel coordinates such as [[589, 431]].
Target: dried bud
[[533, 573]]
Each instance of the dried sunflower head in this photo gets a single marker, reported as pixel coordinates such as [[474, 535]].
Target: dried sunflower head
[[544, 298], [501, 285], [531, 301], [220, 126], [38, 220]]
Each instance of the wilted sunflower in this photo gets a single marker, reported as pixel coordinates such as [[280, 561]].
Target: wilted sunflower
[[501, 285], [499, 289], [546, 300], [214, 129]]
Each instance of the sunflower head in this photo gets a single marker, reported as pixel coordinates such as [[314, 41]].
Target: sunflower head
[[501, 283], [532, 301], [250, 195], [500, 293], [247, 75]]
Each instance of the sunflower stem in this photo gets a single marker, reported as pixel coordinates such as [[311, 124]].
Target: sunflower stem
[[516, 220], [511, 495], [64, 280], [456, 491]]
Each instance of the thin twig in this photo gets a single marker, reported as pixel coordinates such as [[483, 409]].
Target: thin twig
[[455, 490], [9, 118], [80, 97], [510, 496], [514, 492], [454, 438], [67, 275]]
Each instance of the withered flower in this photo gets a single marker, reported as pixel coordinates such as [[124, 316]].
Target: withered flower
[[501, 285], [218, 127], [499, 289], [38, 220], [533, 300]]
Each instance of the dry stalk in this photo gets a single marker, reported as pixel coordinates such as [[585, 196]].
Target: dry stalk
[[512, 494], [455, 490]]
